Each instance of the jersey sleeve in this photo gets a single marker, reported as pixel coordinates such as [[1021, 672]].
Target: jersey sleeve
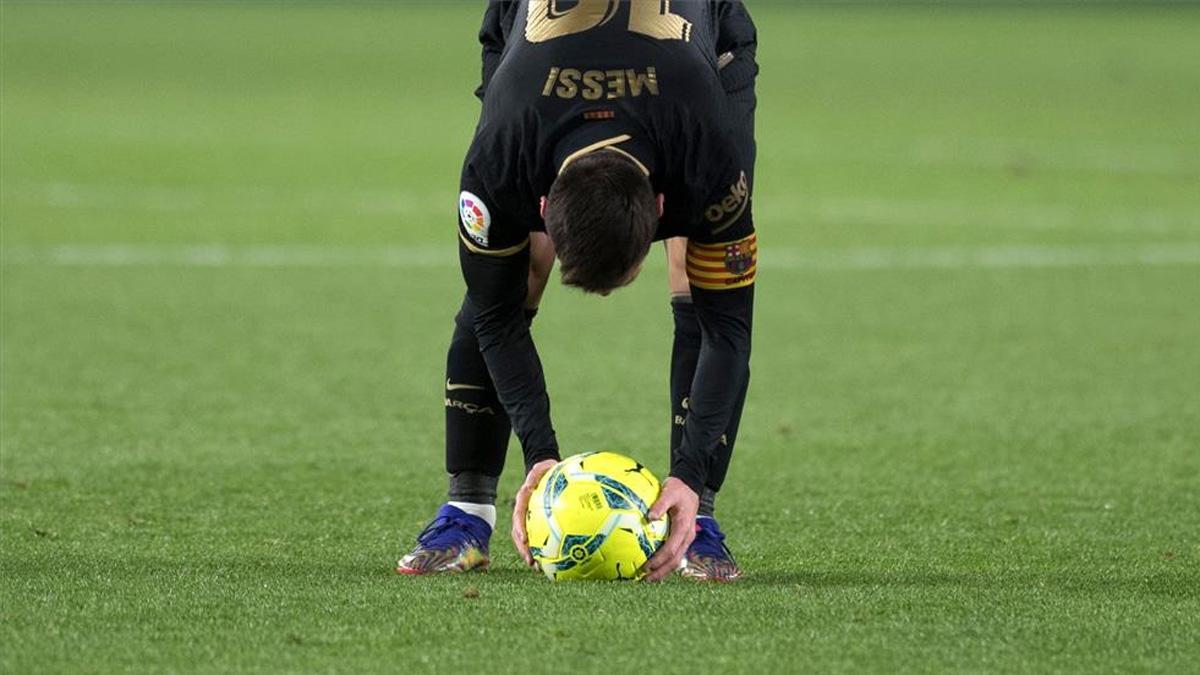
[[493, 36], [708, 181], [489, 225], [737, 38], [494, 257]]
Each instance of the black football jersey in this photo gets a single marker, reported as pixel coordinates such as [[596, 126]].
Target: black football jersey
[[636, 77]]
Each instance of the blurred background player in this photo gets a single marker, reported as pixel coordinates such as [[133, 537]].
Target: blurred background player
[[605, 126]]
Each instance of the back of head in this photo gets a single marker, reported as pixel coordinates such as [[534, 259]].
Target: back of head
[[601, 214]]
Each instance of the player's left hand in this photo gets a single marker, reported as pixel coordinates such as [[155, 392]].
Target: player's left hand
[[519, 537], [681, 503]]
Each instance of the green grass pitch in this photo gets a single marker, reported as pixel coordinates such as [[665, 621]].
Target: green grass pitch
[[973, 438]]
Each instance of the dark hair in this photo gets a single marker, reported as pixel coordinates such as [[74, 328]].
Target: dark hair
[[601, 214]]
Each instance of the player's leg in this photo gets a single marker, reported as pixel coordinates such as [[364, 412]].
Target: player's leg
[[477, 433], [477, 427]]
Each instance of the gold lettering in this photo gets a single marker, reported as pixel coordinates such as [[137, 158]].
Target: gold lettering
[[639, 81], [738, 192], [616, 83], [733, 204], [654, 18], [549, 88], [592, 87], [545, 21], [570, 83], [569, 79], [469, 408]]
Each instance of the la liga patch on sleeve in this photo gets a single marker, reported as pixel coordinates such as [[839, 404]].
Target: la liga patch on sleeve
[[475, 217]]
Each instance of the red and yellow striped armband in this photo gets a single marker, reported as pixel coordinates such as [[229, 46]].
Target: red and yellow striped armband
[[717, 267]]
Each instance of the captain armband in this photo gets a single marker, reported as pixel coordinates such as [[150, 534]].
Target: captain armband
[[723, 266]]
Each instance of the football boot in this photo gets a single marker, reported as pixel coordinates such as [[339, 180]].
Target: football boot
[[455, 541], [708, 558]]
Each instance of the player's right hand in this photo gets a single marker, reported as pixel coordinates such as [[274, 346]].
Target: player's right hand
[[520, 540]]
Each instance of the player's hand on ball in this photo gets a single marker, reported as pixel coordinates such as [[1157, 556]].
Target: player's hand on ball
[[681, 503], [520, 540]]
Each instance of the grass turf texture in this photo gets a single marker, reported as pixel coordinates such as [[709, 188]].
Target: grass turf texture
[[210, 463]]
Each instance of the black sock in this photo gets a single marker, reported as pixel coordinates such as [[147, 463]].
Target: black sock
[[472, 487], [477, 428], [708, 502]]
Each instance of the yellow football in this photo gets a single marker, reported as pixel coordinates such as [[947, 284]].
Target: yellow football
[[587, 518]]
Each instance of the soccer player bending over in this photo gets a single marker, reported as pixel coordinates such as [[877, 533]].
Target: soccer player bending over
[[605, 126]]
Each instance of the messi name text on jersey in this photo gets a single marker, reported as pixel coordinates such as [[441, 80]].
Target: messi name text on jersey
[[593, 85]]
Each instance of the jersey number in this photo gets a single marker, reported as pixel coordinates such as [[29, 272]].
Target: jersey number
[[545, 21]]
